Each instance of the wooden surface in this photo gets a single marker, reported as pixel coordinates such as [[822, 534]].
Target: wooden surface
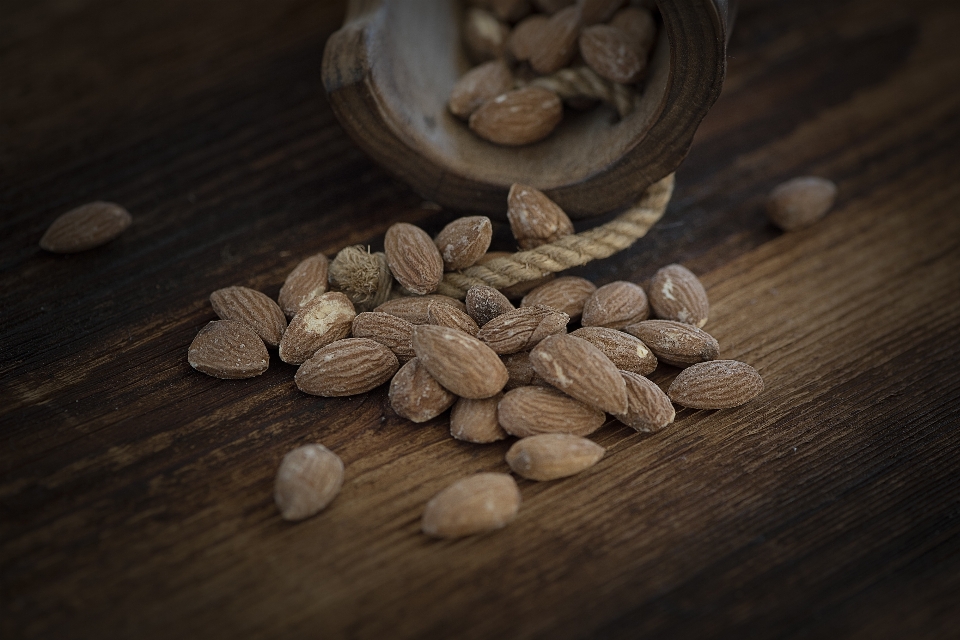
[[135, 493]]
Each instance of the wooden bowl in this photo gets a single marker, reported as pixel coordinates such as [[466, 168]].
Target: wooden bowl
[[390, 68]]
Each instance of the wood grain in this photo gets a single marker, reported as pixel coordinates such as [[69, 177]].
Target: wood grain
[[135, 493]]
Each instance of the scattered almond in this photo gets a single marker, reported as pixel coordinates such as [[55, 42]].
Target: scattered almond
[[677, 294], [534, 218], [528, 411], [306, 283], [518, 117], [521, 329], [625, 351], [649, 409], [444, 315], [616, 305], [676, 343], [413, 258], [640, 27], [416, 395], [463, 241], [525, 37], [800, 202], [568, 294], [228, 349], [557, 44], [550, 456], [85, 227], [413, 309], [579, 369], [346, 368], [720, 384], [479, 503], [392, 332], [486, 303], [252, 308], [594, 11], [484, 36], [609, 51], [444, 352], [476, 420], [309, 478], [326, 320]]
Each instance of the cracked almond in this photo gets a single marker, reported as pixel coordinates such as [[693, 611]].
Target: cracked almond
[[325, 321]]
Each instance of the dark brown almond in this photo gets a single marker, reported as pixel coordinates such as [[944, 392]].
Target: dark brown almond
[[625, 351], [413, 258], [524, 37], [476, 420], [484, 36], [228, 349], [255, 309], [347, 367], [557, 44], [309, 478], [800, 202], [459, 362], [416, 395], [609, 51], [443, 315], [392, 332], [85, 227], [579, 369], [616, 305], [568, 294], [521, 329], [463, 241], [520, 370], [649, 409], [550, 456], [486, 303], [413, 309], [516, 291], [518, 117], [528, 411], [479, 85], [676, 343], [640, 27], [326, 320], [479, 503], [676, 294], [720, 384], [594, 11], [306, 283]]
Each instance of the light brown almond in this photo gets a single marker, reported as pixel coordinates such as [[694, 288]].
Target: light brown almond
[[392, 332], [550, 7], [550, 456], [720, 384], [518, 117], [326, 320], [444, 315], [520, 370], [346, 367], [594, 11], [309, 478], [568, 294], [608, 51], [85, 227], [476, 420], [479, 503], [463, 241], [649, 409], [676, 343], [800, 202], [459, 362], [306, 283], [579, 369], [255, 309], [416, 395], [625, 351], [676, 294], [229, 350], [486, 303], [413, 309], [616, 305], [640, 27], [525, 37], [484, 37], [413, 258], [528, 411], [534, 218], [480, 84], [557, 44], [516, 291], [521, 329]]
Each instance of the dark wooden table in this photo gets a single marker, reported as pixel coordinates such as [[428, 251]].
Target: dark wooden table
[[135, 493]]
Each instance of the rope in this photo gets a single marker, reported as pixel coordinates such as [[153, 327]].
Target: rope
[[583, 82]]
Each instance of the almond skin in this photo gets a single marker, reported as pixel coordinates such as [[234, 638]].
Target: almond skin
[[463, 241], [557, 44], [413, 258], [306, 283], [568, 294], [579, 369], [550, 456], [485, 37], [486, 303], [479, 503], [640, 27], [347, 367], [800, 202], [416, 395], [309, 478], [524, 37], [649, 410], [616, 305], [85, 227], [528, 411], [521, 329], [251, 308], [459, 362], [444, 315], [476, 420], [720, 384], [480, 84], [626, 352], [392, 332], [534, 218], [518, 117], [229, 350], [676, 343], [326, 320], [608, 51], [677, 294], [413, 309]]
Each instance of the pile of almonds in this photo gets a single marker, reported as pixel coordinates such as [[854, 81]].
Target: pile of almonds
[[516, 43]]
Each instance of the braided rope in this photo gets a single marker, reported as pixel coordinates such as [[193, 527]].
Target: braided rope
[[583, 82]]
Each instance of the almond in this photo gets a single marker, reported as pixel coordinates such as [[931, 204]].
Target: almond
[[528, 411], [800, 202], [413, 309], [510, 10], [482, 502], [413, 258], [649, 410], [568, 294], [594, 11], [252, 308], [459, 362], [521, 329], [346, 367], [485, 37], [550, 456], [518, 117], [640, 27], [416, 395], [626, 352], [476, 420], [520, 370], [516, 291], [325, 321], [486, 303], [609, 51], [557, 44], [676, 294], [392, 332], [463, 241], [444, 315], [306, 283], [579, 369], [228, 349], [676, 343], [480, 84], [616, 305], [85, 227], [720, 384], [524, 38], [534, 218], [309, 478]]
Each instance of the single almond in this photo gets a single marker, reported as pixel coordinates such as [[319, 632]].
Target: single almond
[[625, 351], [463, 241], [516, 291], [484, 36], [677, 294], [520, 370], [326, 320], [479, 503], [528, 411], [459, 362], [550, 456], [594, 11], [392, 332], [228, 349], [534, 218], [416, 395], [616, 305], [579, 369], [413, 309], [486, 303], [85, 227], [522, 329], [524, 38], [649, 409], [413, 258], [609, 51], [306, 283], [309, 478], [568, 294], [476, 420], [255, 309], [720, 384], [676, 343], [557, 44], [640, 27], [518, 117], [444, 315], [346, 367], [480, 84], [800, 202]]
